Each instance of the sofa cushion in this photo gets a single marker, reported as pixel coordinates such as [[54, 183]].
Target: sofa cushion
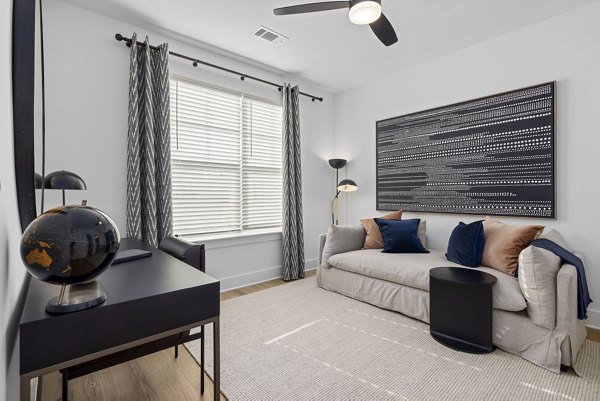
[[465, 246], [412, 270], [504, 243], [400, 236], [373, 239], [342, 239], [537, 277]]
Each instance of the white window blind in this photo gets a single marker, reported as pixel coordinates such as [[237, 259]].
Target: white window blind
[[226, 159]]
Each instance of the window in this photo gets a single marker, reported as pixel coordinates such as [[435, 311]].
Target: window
[[226, 160]]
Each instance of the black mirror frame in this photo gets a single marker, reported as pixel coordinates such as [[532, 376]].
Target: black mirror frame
[[23, 92]]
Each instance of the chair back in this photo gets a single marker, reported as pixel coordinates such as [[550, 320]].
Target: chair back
[[187, 252]]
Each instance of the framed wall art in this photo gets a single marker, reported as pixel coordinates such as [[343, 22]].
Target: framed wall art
[[494, 155]]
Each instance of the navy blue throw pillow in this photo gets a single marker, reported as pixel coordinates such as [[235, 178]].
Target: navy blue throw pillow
[[400, 236], [465, 246]]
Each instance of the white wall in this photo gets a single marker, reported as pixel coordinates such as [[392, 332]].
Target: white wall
[[565, 49], [12, 272], [87, 95]]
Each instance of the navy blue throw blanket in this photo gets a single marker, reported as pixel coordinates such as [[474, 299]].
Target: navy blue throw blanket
[[583, 294]]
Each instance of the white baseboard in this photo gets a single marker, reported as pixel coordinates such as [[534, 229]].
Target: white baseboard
[[258, 276], [593, 320], [310, 264]]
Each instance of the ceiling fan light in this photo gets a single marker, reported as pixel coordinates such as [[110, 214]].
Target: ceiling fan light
[[365, 12]]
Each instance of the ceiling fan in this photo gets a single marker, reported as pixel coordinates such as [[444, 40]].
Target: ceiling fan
[[361, 12]]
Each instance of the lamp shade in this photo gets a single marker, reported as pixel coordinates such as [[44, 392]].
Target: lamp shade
[[347, 186], [64, 180], [337, 163]]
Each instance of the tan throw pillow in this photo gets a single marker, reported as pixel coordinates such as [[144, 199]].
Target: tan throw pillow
[[504, 243], [373, 239]]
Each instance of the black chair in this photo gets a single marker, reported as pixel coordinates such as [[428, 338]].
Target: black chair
[[194, 255], [187, 252]]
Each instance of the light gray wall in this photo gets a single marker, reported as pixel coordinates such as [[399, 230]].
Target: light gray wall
[[565, 49], [87, 95], [12, 272]]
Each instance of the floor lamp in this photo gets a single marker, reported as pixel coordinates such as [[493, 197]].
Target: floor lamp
[[342, 186]]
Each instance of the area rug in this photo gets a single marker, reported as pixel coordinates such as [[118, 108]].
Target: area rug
[[300, 342]]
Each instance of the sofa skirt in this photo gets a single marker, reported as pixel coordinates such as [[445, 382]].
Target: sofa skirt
[[513, 332]]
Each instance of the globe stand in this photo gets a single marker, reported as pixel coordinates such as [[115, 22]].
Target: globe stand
[[77, 297]]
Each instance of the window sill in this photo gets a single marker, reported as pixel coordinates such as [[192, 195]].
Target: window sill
[[236, 239]]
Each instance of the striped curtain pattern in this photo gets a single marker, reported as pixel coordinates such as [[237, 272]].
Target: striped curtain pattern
[[149, 208], [292, 227]]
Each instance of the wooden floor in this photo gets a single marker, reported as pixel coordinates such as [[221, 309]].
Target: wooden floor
[[593, 335], [156, 377]]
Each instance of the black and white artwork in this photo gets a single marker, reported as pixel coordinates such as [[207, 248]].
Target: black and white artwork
[[493, 155]]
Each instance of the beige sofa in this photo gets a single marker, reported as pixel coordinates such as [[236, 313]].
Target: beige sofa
[[400, 282]]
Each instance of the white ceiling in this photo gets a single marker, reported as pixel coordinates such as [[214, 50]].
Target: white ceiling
[[325, 48]]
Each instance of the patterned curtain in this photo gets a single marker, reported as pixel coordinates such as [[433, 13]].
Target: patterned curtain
[[292, 230], [149, 209]]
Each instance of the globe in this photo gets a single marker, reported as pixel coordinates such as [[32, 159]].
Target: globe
[[70, 244]]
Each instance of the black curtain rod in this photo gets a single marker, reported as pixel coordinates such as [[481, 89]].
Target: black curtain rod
[[195, 63]]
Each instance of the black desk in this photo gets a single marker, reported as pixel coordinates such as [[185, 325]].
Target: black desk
[[147, 299], [460, 306]]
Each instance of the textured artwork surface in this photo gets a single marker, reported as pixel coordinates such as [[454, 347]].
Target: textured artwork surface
[[493, 155]]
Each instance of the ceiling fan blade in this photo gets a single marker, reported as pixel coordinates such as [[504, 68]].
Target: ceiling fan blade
[[384, 30], [312, 7]]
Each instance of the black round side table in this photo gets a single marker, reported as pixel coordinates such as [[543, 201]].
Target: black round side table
[[460, 302]]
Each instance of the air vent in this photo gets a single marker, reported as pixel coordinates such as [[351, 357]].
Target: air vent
[[269, 35]]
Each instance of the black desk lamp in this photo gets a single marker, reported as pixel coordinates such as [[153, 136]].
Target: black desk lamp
[[64, 180], [342, 186]]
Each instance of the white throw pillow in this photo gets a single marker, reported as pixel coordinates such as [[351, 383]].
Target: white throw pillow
[[342, 239], [555, 237], [538, 269]]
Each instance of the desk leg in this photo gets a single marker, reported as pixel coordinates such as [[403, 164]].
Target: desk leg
[[25, 389], [216, 359]]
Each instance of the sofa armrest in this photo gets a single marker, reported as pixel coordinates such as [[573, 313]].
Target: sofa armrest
[[322, 238], [566, 297]]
